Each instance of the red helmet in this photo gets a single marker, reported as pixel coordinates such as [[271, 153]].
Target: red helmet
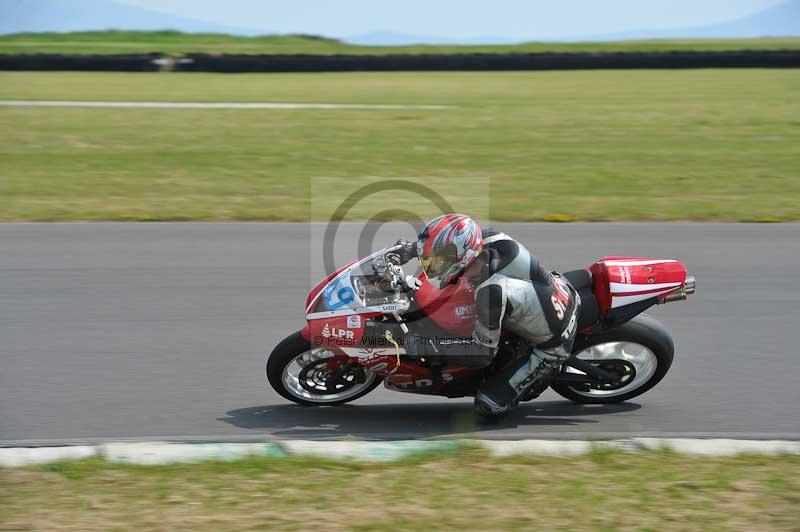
[[447, 246]]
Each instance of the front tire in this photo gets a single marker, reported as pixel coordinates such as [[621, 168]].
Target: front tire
[[296, 370], [642, 343]]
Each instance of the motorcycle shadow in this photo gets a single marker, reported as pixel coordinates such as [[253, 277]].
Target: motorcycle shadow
[[397, 421]]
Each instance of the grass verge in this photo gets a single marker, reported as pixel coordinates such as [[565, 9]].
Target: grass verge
[[556, 146], [468, 490], [175, 42]]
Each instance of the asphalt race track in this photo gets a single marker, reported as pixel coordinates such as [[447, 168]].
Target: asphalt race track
[[150, 330]]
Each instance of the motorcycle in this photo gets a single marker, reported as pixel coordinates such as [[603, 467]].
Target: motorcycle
[[359, 316]]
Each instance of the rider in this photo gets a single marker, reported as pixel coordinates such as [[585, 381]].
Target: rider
[[513, 292]]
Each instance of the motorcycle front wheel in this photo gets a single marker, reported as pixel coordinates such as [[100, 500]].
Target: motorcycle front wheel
[[298, 371], [639, 351]]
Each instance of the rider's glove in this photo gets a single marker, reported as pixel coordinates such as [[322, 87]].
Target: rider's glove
[[403, 254]]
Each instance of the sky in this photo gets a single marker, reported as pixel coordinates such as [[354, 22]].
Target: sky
[[459, 19]]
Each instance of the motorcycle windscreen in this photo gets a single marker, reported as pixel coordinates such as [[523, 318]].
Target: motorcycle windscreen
[[362, 284]]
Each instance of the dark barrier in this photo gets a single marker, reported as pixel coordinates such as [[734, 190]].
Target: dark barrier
[[344, 63], [537, 61], [122, 63]]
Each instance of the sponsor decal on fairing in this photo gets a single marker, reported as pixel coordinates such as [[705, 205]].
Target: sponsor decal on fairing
[[333, 332]]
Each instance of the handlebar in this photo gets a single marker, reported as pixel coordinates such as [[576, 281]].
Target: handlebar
[[397, 278], [391, 271]]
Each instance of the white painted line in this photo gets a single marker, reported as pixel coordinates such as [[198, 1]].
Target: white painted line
[[210, 105]]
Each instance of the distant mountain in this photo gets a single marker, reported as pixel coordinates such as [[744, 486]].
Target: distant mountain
[[387, 38], [782, 20], [81, 15]]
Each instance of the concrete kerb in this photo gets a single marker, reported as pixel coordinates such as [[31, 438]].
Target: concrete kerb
[[159, 453]]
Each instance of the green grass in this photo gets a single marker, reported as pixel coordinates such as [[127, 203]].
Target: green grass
[[601, 145], [466, 491], [174, 42]]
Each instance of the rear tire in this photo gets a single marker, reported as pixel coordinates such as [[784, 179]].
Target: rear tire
[[289, 355], [642, 331]]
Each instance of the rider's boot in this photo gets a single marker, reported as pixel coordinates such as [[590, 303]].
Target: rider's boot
[[523, 379]]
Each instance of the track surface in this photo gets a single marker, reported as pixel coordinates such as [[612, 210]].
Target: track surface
[[112, 331]]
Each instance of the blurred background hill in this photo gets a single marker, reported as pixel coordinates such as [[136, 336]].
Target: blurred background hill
[[446, 22], [780, 20], [80, 15]]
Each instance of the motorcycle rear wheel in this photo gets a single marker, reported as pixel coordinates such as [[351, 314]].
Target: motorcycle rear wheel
[[296, 370], [642, 344]]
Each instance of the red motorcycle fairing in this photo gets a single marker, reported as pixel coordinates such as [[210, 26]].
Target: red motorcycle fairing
[[343, 332], [451, 308], [345, 337], [451, 381], [336, 331]]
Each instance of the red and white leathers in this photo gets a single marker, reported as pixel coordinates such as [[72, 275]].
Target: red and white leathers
[[516, 294]]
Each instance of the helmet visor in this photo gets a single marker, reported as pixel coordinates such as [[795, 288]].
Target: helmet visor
[[440, 261]]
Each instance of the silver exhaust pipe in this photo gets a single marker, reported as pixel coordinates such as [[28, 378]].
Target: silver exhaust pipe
[[681, 293], [689, 285]]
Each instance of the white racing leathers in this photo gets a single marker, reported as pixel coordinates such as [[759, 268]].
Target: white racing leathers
[[516, 294]]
